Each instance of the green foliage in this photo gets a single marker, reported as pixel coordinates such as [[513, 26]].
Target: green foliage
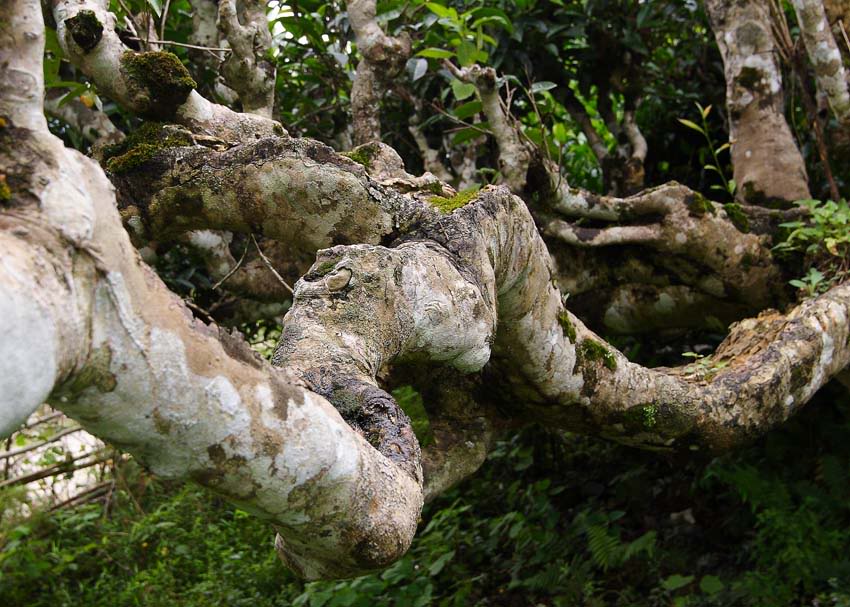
[[823, 239], [714, 166]]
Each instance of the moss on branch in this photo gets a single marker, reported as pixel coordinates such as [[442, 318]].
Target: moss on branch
[[447, 205], [158, 82], [142, 145]]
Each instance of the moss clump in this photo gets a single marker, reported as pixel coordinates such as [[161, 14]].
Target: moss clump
[[363, 154], [736, 215], [5, 190], [158, 81], [85, 29], [142, 145], [447, 205], [592, 350], [567, 326], [699, 205]]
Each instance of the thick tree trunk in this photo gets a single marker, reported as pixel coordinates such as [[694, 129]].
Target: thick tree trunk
[[410, 275], [768, 167]]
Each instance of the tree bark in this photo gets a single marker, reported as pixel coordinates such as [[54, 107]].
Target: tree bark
[[768, 167]]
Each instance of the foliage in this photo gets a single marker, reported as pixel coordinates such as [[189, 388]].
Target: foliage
[[823, 239], [715, 166]]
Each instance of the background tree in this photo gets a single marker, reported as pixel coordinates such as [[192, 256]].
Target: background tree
[[489, 302]]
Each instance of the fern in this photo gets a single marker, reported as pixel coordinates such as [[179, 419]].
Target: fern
[[605, 548]]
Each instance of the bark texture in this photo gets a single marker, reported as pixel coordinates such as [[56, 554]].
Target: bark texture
[[768, 168], [409, 277], [825, 57]]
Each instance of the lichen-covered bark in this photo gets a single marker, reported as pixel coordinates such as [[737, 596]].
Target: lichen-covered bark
[[249, 69], [382, 57], [409, 274], [89, 327], [768, 167], [153, 83], [826, 59]]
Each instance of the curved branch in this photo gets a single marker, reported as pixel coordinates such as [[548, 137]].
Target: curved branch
[[248, 70], [382, 58], [153, 84]]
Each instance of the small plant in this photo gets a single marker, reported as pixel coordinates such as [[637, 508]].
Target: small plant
[[729, 184], [812, 283], [824, 241], [703, 366]]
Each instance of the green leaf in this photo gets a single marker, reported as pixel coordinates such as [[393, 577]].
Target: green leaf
[[156, 6], [467, 134], [441, 11], [545, 85], [466, 110], [437, 566], [435, 53], [691, 125], [419, 68], [467, 53], [462, 90], [711, 584], [676, 581]]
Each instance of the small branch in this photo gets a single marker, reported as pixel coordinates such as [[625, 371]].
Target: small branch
[[62, 468], [232, 270], [28, 448], [270, 266], [185, 45], [87, 495]]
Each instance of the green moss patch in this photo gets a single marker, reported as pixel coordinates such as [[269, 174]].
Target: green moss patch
[[699, 205], [5, 190], [158, 81], [142, 145], [736, 215], [447, 205], [85, 29], [363, 154], [567, 325], [592, 351]]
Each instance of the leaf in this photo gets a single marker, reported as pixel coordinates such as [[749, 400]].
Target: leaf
[[467, 53], [435, 53], [441, 11], [467, 134], [437, 566], [545, 85], [676, 581], [462, 90], [156, 6], [418, 68], [725, 146], [466, 110], [691, 125], [706, 111], [711, 584]]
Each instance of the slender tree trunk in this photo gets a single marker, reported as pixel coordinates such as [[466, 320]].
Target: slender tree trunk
[[768, 167]]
